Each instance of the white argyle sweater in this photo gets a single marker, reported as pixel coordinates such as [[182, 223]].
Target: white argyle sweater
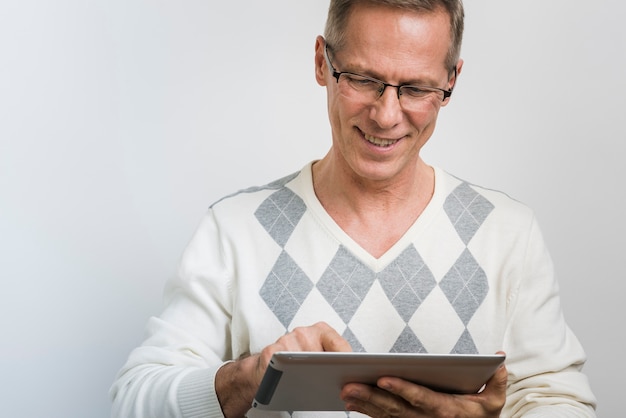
[[472, 275]]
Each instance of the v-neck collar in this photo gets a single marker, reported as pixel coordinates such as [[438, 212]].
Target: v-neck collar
[[376, 264]]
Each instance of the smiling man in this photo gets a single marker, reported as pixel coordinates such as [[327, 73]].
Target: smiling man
[[373, 182], [368, 249]]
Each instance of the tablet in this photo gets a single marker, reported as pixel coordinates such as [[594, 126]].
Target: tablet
[[312, 381]]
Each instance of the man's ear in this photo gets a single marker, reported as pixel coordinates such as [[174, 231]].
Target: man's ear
[[459, 68], [453, 79], [320, 61]]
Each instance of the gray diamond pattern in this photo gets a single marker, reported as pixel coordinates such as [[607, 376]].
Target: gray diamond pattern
[[345, 283], [407, 282], [353, 340], [465, 345], [408, 342], [285, 289], [465, 286], [467, 211], [280, 213]]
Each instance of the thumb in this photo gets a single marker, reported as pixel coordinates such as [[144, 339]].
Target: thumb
[[496, 385]]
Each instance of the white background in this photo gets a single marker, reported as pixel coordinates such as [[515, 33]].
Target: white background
[[121, 121]]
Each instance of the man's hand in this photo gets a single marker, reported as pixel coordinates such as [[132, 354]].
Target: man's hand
[[393, 397], [236, 383]]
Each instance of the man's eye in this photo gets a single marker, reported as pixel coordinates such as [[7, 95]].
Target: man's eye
[[361, 82], [415, 91]]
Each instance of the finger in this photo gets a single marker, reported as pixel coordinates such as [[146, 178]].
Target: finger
[[330, 339], [494, 394], [371, 401], [300, 339], [497, 383], [375, 402], [418, 396], [365, 408], [317, 337]]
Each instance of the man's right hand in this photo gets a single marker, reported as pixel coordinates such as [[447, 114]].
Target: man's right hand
[[236, 382]]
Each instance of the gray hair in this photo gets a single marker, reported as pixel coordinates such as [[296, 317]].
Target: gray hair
[[339, 11]]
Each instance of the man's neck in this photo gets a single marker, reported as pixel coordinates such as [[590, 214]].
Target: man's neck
[[376, 214]]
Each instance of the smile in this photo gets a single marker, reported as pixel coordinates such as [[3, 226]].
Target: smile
[[379, 141]]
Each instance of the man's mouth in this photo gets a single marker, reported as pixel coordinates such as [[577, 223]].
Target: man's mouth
[[379, 142]]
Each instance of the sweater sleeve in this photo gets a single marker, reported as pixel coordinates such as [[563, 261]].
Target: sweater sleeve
[[544, 358], [172, 373]]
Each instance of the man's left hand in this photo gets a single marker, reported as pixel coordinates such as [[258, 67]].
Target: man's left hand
[[393, 397]]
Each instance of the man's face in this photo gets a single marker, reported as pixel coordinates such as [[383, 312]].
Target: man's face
[[380, 141]]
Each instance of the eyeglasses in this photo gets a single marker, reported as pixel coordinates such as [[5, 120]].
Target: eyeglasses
[[368, 89]]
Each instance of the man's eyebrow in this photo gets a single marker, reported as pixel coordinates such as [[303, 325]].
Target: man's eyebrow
[[415, 81], [359, 69], [376, 75]]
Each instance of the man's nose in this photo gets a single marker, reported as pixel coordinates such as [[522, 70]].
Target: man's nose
[[387, 110]]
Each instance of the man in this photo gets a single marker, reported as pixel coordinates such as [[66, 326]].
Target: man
[[369, 249]]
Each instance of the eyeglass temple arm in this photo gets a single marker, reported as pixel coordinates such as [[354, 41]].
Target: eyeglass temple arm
[[454, 85]]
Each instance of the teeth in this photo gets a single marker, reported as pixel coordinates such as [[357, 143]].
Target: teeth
[[378, 141]]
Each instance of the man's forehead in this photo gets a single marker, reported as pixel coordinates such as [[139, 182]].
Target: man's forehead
[[377, 33]]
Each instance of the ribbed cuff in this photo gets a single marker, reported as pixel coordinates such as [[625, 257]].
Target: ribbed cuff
[[196, 395]]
